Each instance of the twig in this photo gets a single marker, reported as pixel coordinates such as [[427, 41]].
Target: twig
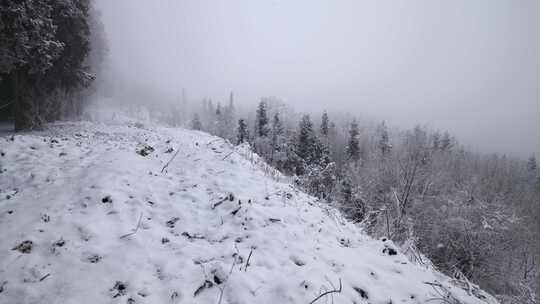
[[227, 279], [167, 164], [327, 293], [6, 105], [331, 285], [219, 202], [228, 155], [447, 297], [212, 141], [134, 231], [439, 299], [460, 277], [247, 262], [235, 211], [44, 277], [433, 284]]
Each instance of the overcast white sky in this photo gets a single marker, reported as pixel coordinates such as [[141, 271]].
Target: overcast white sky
[[468, 66]]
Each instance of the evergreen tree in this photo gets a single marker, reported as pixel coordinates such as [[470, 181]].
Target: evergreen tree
[[27, 38], [531, 163], [196, 122], [277, 134], [229, 119], [350, 202], [346, 191], [436, 141], [537, 185], [306, 140], [208, 116], [231, 102], [70, 72], [325, 128], [334, 145], [293, 164], [43, 47], [353, 145], [446, 142], [223, 127], [218, 110], [242, 132], [261, 123], [230, 110], [384, 141]]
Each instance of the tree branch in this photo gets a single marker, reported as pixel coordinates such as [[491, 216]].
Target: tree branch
[[327, 293], [167, 164]]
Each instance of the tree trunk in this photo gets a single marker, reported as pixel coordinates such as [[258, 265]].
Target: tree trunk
[[18, 109], [23, 113]]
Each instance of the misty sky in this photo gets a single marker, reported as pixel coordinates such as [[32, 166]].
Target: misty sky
[[468, 66]]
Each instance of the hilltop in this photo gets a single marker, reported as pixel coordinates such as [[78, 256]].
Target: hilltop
[[129, 213]]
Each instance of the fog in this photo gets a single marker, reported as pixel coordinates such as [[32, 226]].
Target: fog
[[469, 67]]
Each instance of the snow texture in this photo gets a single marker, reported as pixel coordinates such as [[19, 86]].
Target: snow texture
[[92, 213]]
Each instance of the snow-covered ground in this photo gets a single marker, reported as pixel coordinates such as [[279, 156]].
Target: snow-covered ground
[[87, 215]]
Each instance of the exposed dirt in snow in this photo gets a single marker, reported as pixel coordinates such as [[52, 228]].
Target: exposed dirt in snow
[[89, 214]]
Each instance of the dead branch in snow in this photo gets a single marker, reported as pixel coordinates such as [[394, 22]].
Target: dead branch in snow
[[219, 203], [327, 293], [136, 228], [213, 141], [228, 155], [445, 295], [44, 277], [222, 289], [170, 160], [248, 259]]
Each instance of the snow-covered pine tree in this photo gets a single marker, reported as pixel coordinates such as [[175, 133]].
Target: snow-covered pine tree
[[384, 140], [325, 127], [261, 120], [218, 109], [353, 144], [229, 119], [277, 140], [43, 46], [242, 132], [261, 140], [436, 141], [346, 191], [27, 38], [319, 173], [196, 122], [293, 164], [306, 140], [336, 143], [349, 200], [446, 142], [532, 164], [210, 115], [219, 122], [69, 73]]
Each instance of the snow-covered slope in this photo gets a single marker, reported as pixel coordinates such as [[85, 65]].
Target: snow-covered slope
[[87, 217]]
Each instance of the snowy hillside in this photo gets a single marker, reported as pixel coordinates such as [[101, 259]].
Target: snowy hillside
[[89, 214]]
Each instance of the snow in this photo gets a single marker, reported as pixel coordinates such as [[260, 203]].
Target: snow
[[107, 226]]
